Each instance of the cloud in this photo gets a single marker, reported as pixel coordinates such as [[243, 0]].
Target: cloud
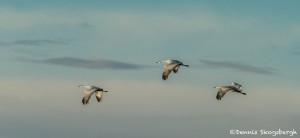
[[239, 67], [152, 27], [88, 63], [35, 42], [39, 42]]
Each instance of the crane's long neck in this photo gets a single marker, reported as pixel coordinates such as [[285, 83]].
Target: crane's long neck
[[85, 86], [162, 62], [217, 87]]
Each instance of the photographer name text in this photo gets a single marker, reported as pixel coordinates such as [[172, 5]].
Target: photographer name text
[[274, 133]]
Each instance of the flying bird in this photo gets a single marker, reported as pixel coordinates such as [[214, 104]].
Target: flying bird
[[169, 66], [222, 90], [90, 90]]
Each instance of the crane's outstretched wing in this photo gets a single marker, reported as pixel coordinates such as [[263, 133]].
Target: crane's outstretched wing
[[99, 95], [175, 69], [221, 93], [86, 97], [167, 70], [236, 85]]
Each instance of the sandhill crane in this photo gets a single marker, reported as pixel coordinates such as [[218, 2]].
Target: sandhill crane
[[169, 66], [222, 90], [90, 90]]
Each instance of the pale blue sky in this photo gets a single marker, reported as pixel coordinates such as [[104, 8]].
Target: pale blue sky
[[50, 47]]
